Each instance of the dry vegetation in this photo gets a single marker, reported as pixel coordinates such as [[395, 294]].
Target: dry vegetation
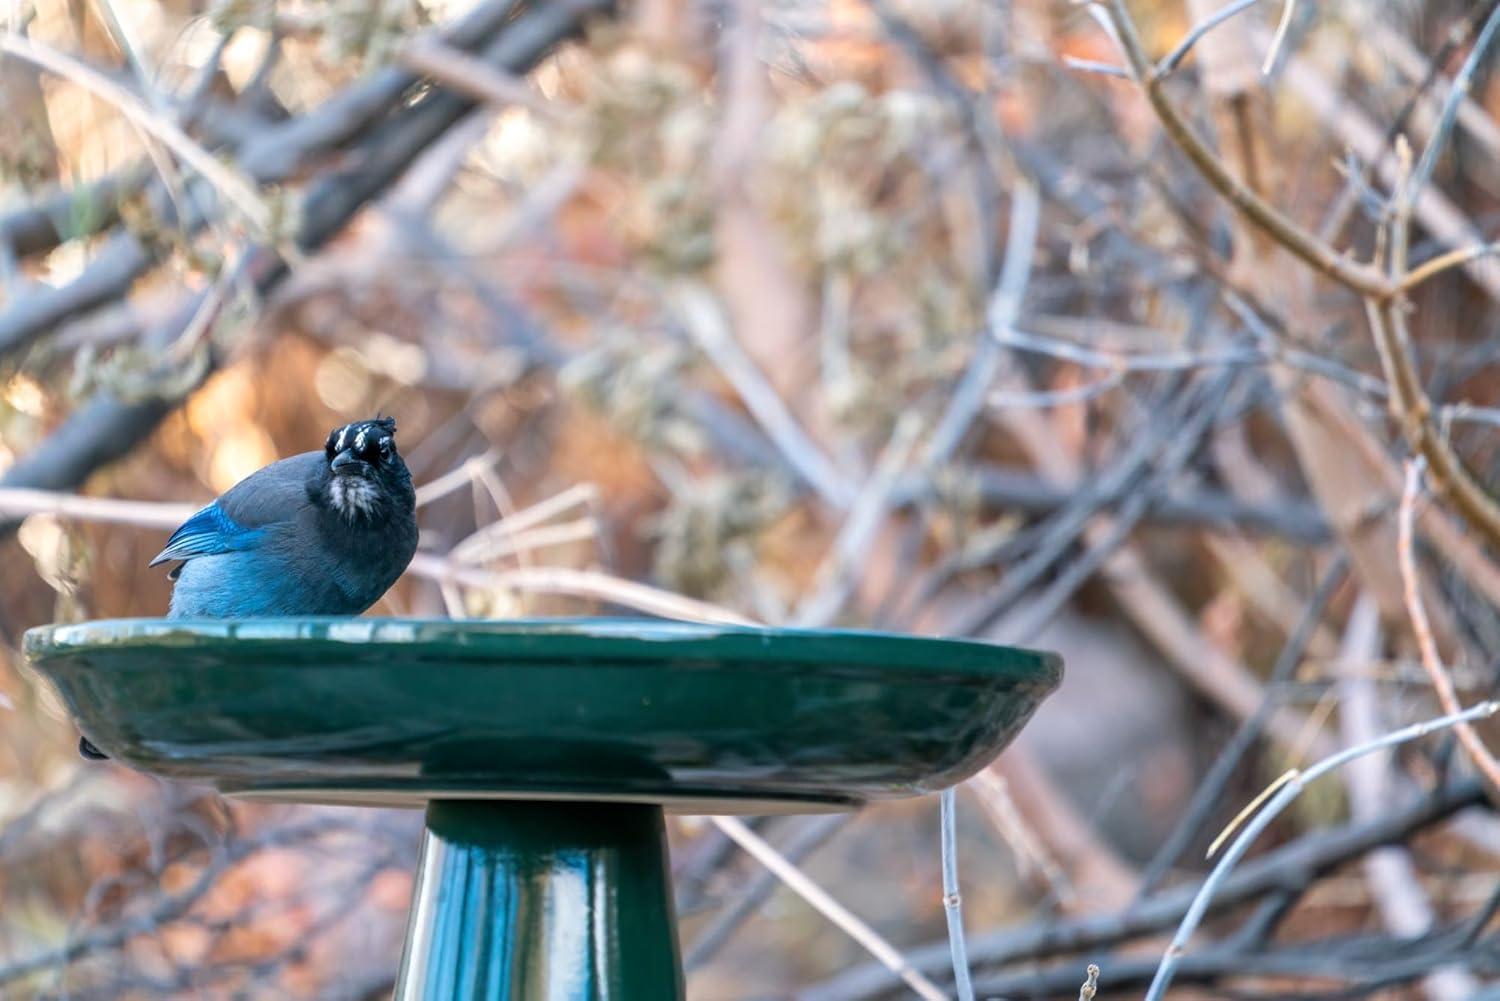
[[1159, 337]]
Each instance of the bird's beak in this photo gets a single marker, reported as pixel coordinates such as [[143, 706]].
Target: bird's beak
[[346, 460]]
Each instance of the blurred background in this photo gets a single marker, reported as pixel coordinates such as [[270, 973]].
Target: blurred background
[[923, 315]]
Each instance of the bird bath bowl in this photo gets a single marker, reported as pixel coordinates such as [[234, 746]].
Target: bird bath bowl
[[545, 753]]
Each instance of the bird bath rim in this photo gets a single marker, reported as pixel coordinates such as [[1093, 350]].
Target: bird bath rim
[[698, 718], [913, 650]]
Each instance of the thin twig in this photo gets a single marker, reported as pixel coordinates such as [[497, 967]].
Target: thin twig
[[592, 584], [1288, 9], [1432, 662], [1411, 409], [1090, 984], [830, 908], [1209, 795], [1102, 68], [1033, 857], [837, 576], [1290, 790], [1359, 277], [1047, 399], [1309, 857], [512, 541], [812, 834], [1459, 89], [1387, 318], [485, 542], [1000, 320], [467, 74], [952, 901], [1394, 883], [19, 502], [1426, 72], [705, 321], [1170, 61], [1351, 127], [235, 188], [168, 908], [1452, 259], [454, 479]]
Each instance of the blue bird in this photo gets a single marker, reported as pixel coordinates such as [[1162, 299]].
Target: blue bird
[[321, 533]]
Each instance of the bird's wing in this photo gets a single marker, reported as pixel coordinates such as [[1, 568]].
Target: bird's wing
[[207, 532], [239, 519]]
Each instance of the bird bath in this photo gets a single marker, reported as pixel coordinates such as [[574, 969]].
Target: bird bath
[[545, 753]]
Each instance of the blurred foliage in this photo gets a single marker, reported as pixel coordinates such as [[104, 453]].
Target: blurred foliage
[[517, 298]]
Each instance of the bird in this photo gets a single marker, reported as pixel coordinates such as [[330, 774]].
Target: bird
[[320, 533]]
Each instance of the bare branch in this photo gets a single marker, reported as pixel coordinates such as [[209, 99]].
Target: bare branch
[[1432, 661], [1179, 52], [235, 189], [1296, 781], [1457, 92], [1284, 25], [1360, 278], [830, 908], [1308, 857], [952, 902]]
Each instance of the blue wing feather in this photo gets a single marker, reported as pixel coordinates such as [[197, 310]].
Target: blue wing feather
[[207, 532], [240, 519]]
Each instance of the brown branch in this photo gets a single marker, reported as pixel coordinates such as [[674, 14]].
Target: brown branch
[[1456, 258], [1431, 661], [1412, 411], [69, 213], [1290, 867], [1383, 295], [107, 427], [1151, 605], [1394, 882], [469, 75], [1359, 277], [167, 909]]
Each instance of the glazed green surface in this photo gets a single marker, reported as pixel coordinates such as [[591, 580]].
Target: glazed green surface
[[705, 718], [542, 902]]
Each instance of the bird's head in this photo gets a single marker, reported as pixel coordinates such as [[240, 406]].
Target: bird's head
[[366, 474]]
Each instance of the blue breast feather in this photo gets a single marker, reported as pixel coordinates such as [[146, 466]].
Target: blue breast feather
[[207, 533]]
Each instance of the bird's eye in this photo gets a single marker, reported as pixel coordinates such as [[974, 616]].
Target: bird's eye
[[367, 448], [328, 445], [387, 448]]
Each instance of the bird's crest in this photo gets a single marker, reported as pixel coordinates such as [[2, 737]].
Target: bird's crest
[[364, 437]]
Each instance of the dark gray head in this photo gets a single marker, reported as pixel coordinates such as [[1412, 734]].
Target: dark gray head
[[367, 479]]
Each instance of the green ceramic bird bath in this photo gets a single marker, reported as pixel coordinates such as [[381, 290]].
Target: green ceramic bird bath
[[545, 752]]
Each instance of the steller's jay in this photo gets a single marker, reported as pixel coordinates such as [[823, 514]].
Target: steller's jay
[[321, 533]]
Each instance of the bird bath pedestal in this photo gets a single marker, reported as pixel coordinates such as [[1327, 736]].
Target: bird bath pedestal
[[545, 753]]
